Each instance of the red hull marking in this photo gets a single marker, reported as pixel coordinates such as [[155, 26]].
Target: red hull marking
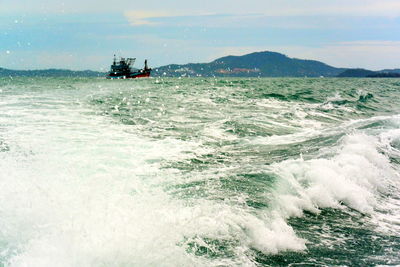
[[144, 75]]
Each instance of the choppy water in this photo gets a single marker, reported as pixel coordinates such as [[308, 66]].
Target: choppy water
[[199, 172]]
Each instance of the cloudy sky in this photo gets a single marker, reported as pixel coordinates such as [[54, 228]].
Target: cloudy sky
[[85, 34]]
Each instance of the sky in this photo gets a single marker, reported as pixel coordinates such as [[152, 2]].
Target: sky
[[85, 34]]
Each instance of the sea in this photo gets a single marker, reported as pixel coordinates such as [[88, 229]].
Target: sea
[[199, 172]]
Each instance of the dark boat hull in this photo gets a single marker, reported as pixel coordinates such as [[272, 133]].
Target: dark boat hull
[[140, 74]]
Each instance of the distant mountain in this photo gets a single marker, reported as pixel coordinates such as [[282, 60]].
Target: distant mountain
[[391, 70], [50, 73], [356, 73], [258, 64], [384, 75], [362, 73]]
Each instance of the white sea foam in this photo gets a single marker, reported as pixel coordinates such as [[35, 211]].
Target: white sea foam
[[80, 190], [93, 198], [55, 214], [358, 174], [355, 176]]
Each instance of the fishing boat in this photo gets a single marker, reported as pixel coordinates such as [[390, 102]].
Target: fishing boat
[[123, 69]]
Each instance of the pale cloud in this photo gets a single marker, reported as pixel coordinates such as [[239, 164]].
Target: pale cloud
[[143, 17], [381, 8], [386, 8], [224, 13], [367, 8], [376, 8], [154, 17]]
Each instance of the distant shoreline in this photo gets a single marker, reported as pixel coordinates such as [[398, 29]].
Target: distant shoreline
[[258, 64]]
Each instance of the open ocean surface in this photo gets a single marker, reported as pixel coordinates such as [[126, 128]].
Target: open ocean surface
[[199, 172]]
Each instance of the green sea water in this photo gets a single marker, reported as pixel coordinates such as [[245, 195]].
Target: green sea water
[[199, 172]]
